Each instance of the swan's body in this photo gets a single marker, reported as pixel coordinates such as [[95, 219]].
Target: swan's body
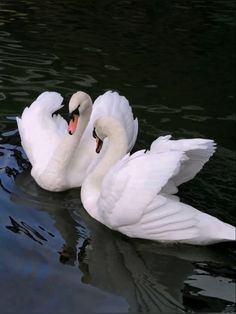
[[59, 160], [134, 194]]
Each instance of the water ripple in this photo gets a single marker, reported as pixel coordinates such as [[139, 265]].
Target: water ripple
[[22, 227]]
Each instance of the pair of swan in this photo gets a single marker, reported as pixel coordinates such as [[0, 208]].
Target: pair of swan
[[61, 160], [133, 194]]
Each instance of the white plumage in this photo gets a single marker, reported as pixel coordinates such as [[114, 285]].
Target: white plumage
[[59, 160], [134, 194], [40, 130]]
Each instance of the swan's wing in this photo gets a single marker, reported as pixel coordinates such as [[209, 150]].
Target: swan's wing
[[39, 129], [166, 219], [132, 183], [116, 106], [197, 150]]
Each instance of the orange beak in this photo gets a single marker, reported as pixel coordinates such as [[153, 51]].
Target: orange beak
[[73, 124]]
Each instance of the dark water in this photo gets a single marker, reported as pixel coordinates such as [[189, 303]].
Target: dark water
[[174, 61]]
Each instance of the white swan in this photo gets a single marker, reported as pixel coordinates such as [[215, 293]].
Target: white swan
[[61, 160], [134, 194]]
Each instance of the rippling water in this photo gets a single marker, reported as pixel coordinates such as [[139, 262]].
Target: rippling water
[[174, 62]]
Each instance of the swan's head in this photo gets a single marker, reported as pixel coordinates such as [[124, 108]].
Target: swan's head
[[107, 127], [80, 104]]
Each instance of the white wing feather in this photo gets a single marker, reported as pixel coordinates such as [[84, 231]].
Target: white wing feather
[[166, 219], [133, 198], [132, 201], [116, 106], [197, 150], [38, 125], [132, 184]]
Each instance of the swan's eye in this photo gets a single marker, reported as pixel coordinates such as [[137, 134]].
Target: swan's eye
[[71, 116], [76, 111], [94, 133]]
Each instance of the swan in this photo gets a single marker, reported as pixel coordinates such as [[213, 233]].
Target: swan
[[134, 194], [61, 154]]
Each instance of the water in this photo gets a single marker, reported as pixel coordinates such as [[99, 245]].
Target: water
[[174, 62]]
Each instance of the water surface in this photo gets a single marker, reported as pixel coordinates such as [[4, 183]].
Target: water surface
[[174, 62]]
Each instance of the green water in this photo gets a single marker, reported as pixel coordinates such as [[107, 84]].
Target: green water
[[174, 61]]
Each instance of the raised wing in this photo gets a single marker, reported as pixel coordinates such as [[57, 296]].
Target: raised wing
[[132, 183], [116, 106], [40, 130], [197, 150]]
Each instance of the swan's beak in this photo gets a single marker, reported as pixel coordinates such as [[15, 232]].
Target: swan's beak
[[73, 123], [99, 145]]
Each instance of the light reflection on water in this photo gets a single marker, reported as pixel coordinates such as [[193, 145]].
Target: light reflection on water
[[174, 63]]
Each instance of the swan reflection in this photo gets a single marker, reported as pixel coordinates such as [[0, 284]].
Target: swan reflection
[[107, 260]]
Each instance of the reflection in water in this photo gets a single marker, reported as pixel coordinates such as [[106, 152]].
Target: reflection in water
[[110, 262], [106, 259], [26, 229], [57, 205]]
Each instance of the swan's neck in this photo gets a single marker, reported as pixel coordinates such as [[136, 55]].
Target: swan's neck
[[63, 154], [91, 188]]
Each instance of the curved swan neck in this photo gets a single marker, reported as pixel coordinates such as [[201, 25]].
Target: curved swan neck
[[83, 122], [66, 149], [117, 148]]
